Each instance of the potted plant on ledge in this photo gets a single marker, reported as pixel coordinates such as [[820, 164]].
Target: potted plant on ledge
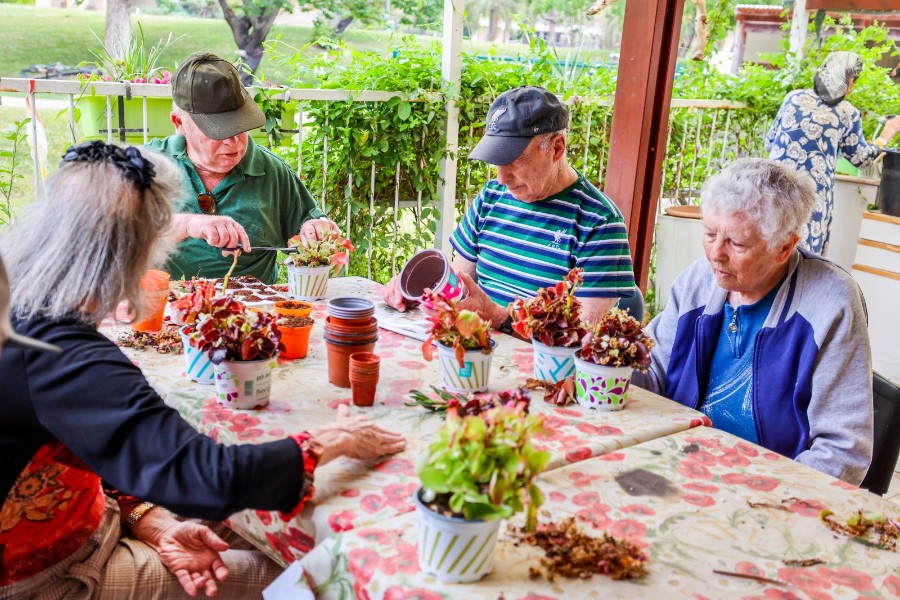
[[552, 319], [464, 344], [479, 470], [610, 352], [312, 263], [243, 345]]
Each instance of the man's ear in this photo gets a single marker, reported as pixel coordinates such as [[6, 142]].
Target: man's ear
[[176, 120], [558, 147]]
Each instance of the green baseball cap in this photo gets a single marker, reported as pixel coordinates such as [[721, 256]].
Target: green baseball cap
[[210, 90], [514, 118]]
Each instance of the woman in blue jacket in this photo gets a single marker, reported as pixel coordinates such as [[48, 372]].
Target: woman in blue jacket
[[770, 341]]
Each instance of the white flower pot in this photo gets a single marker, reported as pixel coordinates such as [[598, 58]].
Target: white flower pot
[[452, 549], [473, 376], [308, 283], [244, 383], [197, 365], [601, 387], [553, 363]]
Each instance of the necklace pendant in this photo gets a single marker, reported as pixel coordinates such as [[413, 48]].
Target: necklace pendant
[[732, 327]]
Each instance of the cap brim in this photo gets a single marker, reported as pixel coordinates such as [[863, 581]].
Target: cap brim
[[499, 150], [221, 126]]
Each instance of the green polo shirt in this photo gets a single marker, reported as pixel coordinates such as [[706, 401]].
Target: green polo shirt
[[262, 193]]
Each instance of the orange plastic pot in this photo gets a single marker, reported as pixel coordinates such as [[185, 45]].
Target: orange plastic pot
[[295, 340], [339, 360], [281, 308], [155, 293]]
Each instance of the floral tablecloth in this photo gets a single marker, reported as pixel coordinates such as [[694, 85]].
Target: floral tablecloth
[[353, 493], [685, 499]]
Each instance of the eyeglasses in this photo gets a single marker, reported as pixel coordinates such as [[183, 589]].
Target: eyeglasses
[[207, 203]]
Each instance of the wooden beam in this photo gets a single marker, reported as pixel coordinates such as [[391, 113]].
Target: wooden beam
[[640, 119]]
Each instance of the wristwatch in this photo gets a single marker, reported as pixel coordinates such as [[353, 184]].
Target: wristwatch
[[138, 513], [506, 327]]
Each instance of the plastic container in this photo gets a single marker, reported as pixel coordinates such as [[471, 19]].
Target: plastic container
[[155, 293], [430, 269]]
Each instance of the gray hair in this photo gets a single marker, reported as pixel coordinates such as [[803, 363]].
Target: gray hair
[[82, 248], [776, 198], [546, 139]]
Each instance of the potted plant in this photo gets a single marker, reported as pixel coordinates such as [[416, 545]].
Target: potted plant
[[195, 300], [552, 319], [294, 335], [137, 65], [464, 344], [242, 344], [312, 263], [610, 351], [480, 469]]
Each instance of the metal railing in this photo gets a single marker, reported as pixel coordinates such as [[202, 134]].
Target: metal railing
[[702, 136]]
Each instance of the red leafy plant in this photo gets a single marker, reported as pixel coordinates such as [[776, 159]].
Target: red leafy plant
[[197, 300], [234, 332], [331, 250], [618, 340], [462, 330], [553, 316]]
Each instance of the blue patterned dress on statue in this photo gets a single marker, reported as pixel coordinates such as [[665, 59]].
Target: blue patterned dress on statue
[[808, 134]]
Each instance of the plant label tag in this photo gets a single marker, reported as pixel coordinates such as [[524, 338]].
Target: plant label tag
[[466, 370]]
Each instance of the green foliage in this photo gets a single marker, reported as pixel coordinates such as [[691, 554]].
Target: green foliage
[[483, 466], [12, 149]]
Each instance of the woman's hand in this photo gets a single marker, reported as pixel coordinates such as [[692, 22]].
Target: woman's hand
[[354, 437], [191, 552]]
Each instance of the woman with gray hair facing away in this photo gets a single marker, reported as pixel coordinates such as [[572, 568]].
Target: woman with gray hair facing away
[[813, 127], [88, 446], [767, 339]]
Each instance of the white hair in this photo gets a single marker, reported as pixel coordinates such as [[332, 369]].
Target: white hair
[[775, 198], [82, 248]]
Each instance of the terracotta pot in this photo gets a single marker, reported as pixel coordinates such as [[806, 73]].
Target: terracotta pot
[[365, 363], [363, 390], [154, 294], [339, 360], [293, 308], [346, 326], [295, 340], [356, 338]]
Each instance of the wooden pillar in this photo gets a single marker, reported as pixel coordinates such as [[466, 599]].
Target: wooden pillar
[[640, 119]]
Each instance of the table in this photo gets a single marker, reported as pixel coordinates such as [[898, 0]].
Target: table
[[351, 493], [684, 498]]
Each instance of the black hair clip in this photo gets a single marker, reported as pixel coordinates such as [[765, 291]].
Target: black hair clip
[[136, 168]]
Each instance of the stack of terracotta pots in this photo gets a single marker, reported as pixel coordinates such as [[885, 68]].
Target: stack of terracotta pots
[[350, 327], [364, 368]]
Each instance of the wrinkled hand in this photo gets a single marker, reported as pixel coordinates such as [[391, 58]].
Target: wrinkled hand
[[392, 296], [315, 229], [480, 302], [891, 127], [355, 437], [191, 552], [218, 231]]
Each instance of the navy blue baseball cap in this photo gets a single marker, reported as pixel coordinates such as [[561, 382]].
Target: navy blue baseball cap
[[514, 118]]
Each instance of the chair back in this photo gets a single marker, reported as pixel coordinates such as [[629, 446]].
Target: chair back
[[886, 446]]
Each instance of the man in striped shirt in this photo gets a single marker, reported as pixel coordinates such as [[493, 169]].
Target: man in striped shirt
[[539, 218]]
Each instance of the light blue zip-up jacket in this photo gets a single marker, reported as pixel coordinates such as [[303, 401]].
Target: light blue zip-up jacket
[[812, 363]]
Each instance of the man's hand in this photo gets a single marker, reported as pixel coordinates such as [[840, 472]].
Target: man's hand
[[315, 229], [481, 303], [354, 437], [217, 231], [392, 296], [191, 552]]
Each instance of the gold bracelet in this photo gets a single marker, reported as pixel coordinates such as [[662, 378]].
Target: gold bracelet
[[138, 513], [880, 142]]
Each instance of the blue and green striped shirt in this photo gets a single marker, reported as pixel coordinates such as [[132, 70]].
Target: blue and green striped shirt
[[519, 247]]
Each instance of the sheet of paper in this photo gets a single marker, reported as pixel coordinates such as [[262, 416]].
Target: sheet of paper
[[290, 585], [411, 323]]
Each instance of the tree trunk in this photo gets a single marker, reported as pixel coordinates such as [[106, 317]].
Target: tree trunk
[[250, 31], [118, 26], [492, 24]]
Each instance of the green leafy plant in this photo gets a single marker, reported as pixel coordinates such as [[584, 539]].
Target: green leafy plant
[[13, 137], [462, 330], [483, 466], [553, 316], [467, 404], [332, 250], [138, 63], [618, 340]]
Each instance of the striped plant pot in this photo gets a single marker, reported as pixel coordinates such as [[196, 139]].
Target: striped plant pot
[[196, 363], [553, 363], [244, 383], [308, 283], [601, 387], [473, 376], [453, 549]]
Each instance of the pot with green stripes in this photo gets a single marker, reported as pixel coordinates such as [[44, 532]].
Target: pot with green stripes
[[454, 549], [474, 374], [308, 283]]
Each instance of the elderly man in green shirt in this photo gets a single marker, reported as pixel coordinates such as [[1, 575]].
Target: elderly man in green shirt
[[236, 191]]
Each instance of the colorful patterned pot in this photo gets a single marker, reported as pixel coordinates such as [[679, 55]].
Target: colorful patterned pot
[[308, 283], [453, 549], [553, 363], [196, 363], [244, 383], [601, 387]]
